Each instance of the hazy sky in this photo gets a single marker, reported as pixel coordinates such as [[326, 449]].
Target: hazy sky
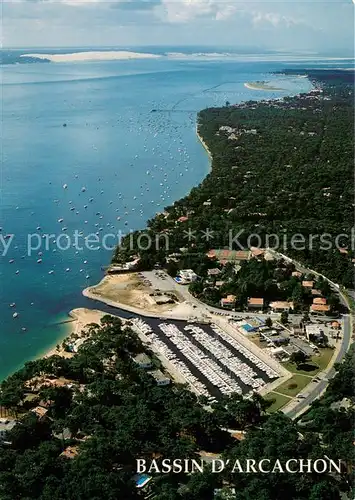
[[304, 25]]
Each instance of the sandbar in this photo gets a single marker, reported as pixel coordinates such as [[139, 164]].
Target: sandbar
[[93, 56], [261, 86]]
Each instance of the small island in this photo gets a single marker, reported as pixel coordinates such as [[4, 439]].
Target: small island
[[261, 85]]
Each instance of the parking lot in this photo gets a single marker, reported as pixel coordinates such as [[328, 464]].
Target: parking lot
[[157, 280]]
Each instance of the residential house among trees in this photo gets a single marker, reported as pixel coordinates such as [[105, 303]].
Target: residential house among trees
[[228, 302], [160, 378], [143, 360], [281, 306], [255, 303]]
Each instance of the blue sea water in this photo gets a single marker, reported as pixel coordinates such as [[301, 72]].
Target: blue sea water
[[115, 157]]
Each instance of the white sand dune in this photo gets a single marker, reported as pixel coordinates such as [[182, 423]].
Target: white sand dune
[[93, 56]]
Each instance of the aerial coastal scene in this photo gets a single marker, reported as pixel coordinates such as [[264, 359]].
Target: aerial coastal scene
[[177, 251]]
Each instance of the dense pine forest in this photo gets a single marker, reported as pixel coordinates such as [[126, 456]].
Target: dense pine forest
[[280, 167], [100, 412]]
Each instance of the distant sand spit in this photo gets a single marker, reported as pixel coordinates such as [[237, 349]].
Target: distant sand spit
[[93, 56], [261, 86]]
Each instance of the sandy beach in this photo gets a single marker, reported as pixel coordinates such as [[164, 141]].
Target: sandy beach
[[113, 55], [204, 145], [82, 317]]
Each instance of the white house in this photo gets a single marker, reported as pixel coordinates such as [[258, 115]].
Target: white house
[[187, 276], [281, 306], [160, 378], [143, 361]]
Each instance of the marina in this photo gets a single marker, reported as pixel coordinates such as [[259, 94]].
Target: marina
[[210, 360]]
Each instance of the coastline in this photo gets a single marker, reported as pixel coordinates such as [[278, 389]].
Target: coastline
[[76, 317], [75, 325], [89, 291], [70, 329], [81, 318], [180, 310], [204, 146], [79, 322]]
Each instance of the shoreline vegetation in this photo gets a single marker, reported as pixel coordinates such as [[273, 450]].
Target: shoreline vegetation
[[87, 416], [262, 86]]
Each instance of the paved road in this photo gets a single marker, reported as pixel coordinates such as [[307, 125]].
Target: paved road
[[315, 389], [319, 388], [294, 410], [169, 284]]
